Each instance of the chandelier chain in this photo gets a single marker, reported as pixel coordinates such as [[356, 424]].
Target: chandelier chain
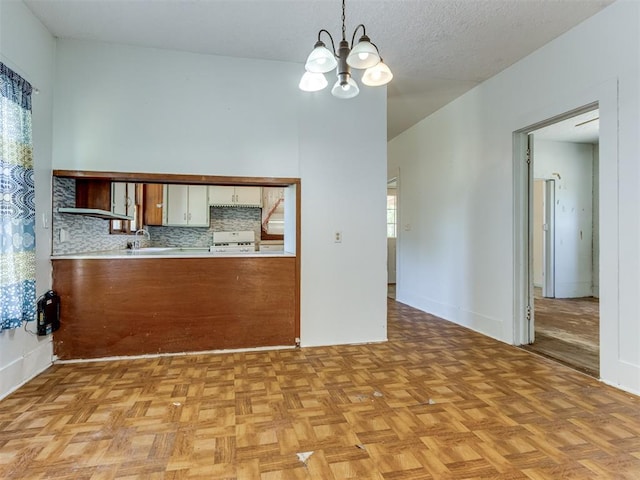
[[344, 30]]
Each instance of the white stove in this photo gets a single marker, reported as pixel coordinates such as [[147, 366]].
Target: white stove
[[233, 242]]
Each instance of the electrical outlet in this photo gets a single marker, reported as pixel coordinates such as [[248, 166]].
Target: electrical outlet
[[338, 237]]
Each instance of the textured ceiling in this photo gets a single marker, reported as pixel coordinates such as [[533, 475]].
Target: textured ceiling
[[437, 49]]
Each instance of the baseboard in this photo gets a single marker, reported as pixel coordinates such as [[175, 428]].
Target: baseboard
[[475, 321], [173, 354], [23, 369]]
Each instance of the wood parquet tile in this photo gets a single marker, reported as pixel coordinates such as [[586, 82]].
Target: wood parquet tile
[[435, 402], [568, 330]]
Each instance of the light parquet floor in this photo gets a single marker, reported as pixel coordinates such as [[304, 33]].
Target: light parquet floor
[[435, 402], [568, 330]]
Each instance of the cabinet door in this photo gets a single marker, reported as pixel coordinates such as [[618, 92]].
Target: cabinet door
[[93, 194], [221, 195], [176, 204], [249, 196], [152, 204], [118, 198], [198, 214], [123, 198]]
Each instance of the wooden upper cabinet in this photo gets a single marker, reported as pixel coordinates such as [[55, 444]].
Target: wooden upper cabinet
[[93, 194], [152, 203]]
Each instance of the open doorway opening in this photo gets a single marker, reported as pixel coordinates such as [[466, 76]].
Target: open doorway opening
[[564, 241], [392, 234]]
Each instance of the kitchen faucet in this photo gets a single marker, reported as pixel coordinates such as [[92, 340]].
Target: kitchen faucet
[[136, 242]]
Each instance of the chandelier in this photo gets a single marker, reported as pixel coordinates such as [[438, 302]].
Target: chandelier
[[363, 55]]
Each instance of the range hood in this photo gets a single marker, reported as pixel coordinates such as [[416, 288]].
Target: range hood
[[94, 212]]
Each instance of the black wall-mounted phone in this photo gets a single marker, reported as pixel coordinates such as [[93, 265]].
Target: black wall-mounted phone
[[48, 313]]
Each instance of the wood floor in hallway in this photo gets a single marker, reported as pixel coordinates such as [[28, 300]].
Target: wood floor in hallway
[[568, 330], [436, 401]]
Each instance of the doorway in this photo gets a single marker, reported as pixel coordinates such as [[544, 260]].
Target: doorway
[[392, 234], [564, 241], [543, 208]]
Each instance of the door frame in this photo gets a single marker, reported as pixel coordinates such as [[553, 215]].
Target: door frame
[[523, 304]]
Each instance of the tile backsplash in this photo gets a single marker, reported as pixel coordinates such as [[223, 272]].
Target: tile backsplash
[[222, 219], [88, 234], [84, 234]]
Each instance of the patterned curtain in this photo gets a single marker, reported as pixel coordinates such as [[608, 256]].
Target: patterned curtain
[[17, 203]]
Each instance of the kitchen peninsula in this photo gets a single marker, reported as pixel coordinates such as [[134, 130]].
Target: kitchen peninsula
[[156, 300]]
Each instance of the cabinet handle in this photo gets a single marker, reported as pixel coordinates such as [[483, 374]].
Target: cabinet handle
[[189, 216], [184, 216]]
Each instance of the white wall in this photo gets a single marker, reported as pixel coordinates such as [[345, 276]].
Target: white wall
[[344, 185], [132, 109], [571, 166], [28, 48], [457, 259]]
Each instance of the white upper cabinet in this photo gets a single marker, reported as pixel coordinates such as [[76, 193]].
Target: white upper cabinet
[[186, 206], [235, 196], [219, 195], [123, 196], [249, 196], [198, 206]]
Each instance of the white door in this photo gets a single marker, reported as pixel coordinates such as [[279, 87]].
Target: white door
[[391, 260], [538, 233], [544, 236], [548, 254]]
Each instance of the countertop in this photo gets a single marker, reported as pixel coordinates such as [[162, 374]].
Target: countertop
[[166, 252]]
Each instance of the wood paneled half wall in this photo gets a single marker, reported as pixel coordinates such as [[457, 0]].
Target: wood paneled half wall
[[113, 307]]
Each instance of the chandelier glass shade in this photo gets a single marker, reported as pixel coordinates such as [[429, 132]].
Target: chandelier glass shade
[[377, 75], [345, 90], [312, 82], [362, 55], [320, 60]]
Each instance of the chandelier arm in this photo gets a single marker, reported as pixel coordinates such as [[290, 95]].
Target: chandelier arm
[[353, 37], [333, 45]]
